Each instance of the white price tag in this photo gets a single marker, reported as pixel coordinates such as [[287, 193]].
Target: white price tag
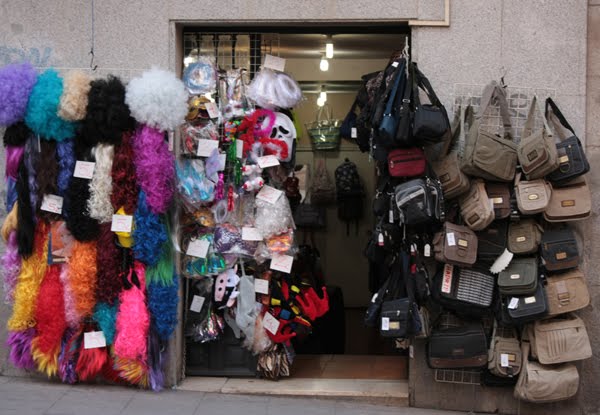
[[427, 250], [267, 161], [274, 62], [52, 203], [239, 148], [395, 64], [206, 147], [391, 216], [171, 140], [121, 223], [251, 234], [84, 169], [94, 340], [411, 351], [353, 132], [282, 263], [222, 161], [504, 360], [212, 109], [197, 303], [530, 300], [198, 248], [269, 194], [514, 303], [261, 286], [385, 323], [270, 323], [450, 239]]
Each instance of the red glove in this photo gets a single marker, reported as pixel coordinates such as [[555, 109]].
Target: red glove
[[284, 333], [309, 308], [321, 304]]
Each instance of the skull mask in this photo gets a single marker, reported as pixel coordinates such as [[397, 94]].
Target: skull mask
[[281, 141]]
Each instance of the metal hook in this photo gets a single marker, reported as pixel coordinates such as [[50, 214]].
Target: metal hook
[[92, 66]]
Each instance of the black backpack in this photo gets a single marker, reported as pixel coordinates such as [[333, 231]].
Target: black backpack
[[350, 194]]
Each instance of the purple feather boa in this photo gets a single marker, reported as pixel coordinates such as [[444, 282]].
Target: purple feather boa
[[16, 83], [155, 361], [19, 343], [13, 158], [67, 360], [154, 167], [31, 155], [11, 266], [65, 153]]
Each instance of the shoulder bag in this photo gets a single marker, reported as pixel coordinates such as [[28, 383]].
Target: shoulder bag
[[430, 121], [558, 249], [457, 347], [520, 277], [491, 242], [389, 119], [406, 162], [567, 292], [475, 206], [570, 202], [467, 291], [455, 245], [523, 309], [505, 356], [499, 196], [559, 340], [524, 237], [322, 189], [419, 201], [533, 196]]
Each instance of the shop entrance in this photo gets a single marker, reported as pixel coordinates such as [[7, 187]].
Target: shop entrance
[[340, 347]]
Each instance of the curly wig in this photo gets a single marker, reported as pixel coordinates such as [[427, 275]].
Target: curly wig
[[19, 343], [31, 157], [51, 324], [32, 272], [65, 154], [47, 168], [108, 265], [133, 320], [74, 99], [99, 204], [91, 361], [163, 300], [106, 317], [107, 116], [154, 168], [16, 83], [10, 222], [82, 277], [11, 266], [158, 98], [72, 317], [124, 186], [134, 371], [80, 224], [149, 234], [42, 106], [69, 354], [16, 134], [26, 220]]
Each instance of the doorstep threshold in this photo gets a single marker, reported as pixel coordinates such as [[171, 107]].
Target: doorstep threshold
[[392, 392]]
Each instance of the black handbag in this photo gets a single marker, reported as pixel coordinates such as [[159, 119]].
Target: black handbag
[[419, 201], [527, 308], [310, 216], [404, 131], [349, 124], [571, 155], [558, 248], [458, 347], [389, 121], [465, 290], [430, 121], [492, 242]]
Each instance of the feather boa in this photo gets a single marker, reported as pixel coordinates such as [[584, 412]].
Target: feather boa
[[19, 343], [51, 324], [28, 283], [11, 266], [125, 188], [10, 222], [69, 354], [82, 277], [65, 153], [98, 204], [74, 99], [14, 155], [132, 370], [156, 376], [90, 362], [106, 317], [163, 303], [149, 235], [132, 318], [71, 316], [154, 167], [163, 271], [31, 160], [41, 115], [16, 83], [108, 265]]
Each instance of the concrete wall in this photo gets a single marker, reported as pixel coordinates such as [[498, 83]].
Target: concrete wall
[[538, 43]]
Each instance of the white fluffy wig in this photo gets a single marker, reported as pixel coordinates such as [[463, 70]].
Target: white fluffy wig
[[158, 99], [99, 205]]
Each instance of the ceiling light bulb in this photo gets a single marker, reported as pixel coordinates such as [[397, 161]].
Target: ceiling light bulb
[[324, 65], [329, 47]]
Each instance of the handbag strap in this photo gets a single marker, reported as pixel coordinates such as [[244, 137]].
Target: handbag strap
[[421, 81], [328, 114], [494, 90], [457, 128], [529, 123], [557, 119]]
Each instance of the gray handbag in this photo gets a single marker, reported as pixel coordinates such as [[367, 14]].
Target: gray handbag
[[520, 277]]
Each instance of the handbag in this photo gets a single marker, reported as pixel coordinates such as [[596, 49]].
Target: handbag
[[488, 155], [519, 278], [567, 292], [558, 249], [469, 291], [389, 120], [539, 383], [406, 162], [396, 317], [447, 168], [310, 216], [537, 151], [559, 340], [324, 133], [499, 196], [455, 245], [505, 357], [523, 309], [571, 155], [348, 127], [475, 206], [322, 189], [430, 122], [419, 201], [533, 196], [457, 347], [570, 202], [491, 242], [524, 237]]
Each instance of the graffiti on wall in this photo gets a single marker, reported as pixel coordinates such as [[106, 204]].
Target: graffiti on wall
[[36, 56]]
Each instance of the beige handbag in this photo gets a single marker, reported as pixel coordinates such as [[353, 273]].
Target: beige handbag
[[539, 383], [475, 206], [487, 154], [560, 339], [533, 196], [537, 151], [524, 237], [505, 357], [570, 202], [567, 292]]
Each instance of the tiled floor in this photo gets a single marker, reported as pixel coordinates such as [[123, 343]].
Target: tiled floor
[[350, 367]]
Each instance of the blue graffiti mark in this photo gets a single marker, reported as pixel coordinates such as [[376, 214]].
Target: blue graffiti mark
[[17, 55]]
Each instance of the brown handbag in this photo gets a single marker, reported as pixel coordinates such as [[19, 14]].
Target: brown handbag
[[559, 340], [567, 292], [487, 154], [505, 356], [475, 206], [533, 196], [569, 202], [537, 152], [455, 245], [540, 383], [499, 195], [524, 237]]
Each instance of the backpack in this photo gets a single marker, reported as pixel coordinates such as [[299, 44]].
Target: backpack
[[350, 194]]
